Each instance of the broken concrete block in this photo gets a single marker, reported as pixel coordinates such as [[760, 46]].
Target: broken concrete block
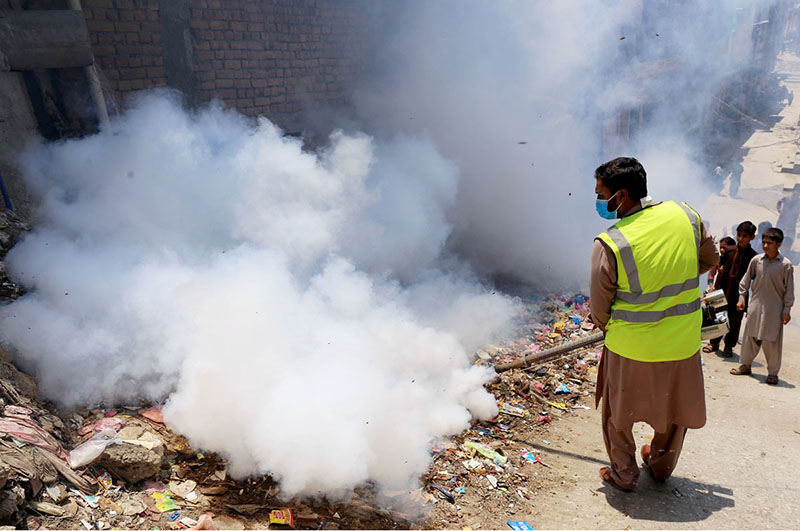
[[138, 457]]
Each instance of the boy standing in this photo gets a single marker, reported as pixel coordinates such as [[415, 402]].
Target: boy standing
[[771, 278], [732, 272]]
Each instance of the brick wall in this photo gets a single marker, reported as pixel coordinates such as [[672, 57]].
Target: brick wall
[[126, 40], [276, 58]]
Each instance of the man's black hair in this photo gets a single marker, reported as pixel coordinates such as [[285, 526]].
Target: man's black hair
[[764, 225], [727, 240], [773, 233], [623, 172], [746, 227]]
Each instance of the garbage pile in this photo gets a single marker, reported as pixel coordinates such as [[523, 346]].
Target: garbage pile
[[11, 228], [101, 468], [545, 322], [127, 470], [501, 463]]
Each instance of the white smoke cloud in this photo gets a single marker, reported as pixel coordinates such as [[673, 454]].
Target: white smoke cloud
[[480, 78], [309, 314], [297, 309]]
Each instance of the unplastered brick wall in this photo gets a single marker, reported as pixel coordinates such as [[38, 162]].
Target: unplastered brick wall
[[126, 40], [278, 55], [275, 58]]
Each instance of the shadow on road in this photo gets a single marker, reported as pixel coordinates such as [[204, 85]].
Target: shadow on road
[[677, 500]]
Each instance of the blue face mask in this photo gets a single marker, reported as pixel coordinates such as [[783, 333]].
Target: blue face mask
[[601, 205]]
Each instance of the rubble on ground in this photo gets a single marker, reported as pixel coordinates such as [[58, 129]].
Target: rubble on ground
[[139, 474], [498, 465], [12, 227]]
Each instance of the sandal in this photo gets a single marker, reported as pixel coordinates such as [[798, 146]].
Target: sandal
[[742, 370], [772, 380], [605, 474], [727, 353], [708, 349]]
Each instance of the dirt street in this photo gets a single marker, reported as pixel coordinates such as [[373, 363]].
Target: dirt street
[[736, 472]]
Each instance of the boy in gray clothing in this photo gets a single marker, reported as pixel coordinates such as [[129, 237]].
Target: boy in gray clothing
[[771, 278]]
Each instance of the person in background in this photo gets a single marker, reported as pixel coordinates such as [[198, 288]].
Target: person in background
[[727, 246], [732, 272], [764, 225], [788, 252], [771, 278], [645, 297]]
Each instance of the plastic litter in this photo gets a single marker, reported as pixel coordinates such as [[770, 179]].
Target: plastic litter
[[485, 451], [525, 454], [105, 480], [519, 524], [87, 452], [164, 501], [508, 409], [443, 492], [282, 517], [154, 414]]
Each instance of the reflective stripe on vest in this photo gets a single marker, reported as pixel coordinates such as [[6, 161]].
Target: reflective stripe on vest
[[656, 312]]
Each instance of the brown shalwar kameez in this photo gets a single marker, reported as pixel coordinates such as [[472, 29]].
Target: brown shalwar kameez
[[772, 282], [669, 395]]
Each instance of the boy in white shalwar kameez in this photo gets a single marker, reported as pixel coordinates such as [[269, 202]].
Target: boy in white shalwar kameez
[[771, 278]]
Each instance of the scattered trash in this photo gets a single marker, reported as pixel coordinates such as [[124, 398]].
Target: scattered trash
[[281, 516], [47, 508], [520, 525], [508, 409], [525, 454], [154, 414], [164, 501], [443, 492], [183, 489], [91, 501], [485, 451], [105, 480], [90, 450]]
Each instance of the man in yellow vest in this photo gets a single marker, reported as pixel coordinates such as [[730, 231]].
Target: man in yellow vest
[[645, 296]]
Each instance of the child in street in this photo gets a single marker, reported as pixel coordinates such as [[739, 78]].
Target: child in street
[[730, 275], [770, 276], [727, 246]]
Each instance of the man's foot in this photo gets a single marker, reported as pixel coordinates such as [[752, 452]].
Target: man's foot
[[727, 353], [710, 348], [772, 380], [742, 370], [605, 474], [646, 449]]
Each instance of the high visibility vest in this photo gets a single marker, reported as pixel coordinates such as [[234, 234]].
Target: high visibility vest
[[656, 313]]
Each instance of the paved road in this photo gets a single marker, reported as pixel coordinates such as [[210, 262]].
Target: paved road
[[739, 471]]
